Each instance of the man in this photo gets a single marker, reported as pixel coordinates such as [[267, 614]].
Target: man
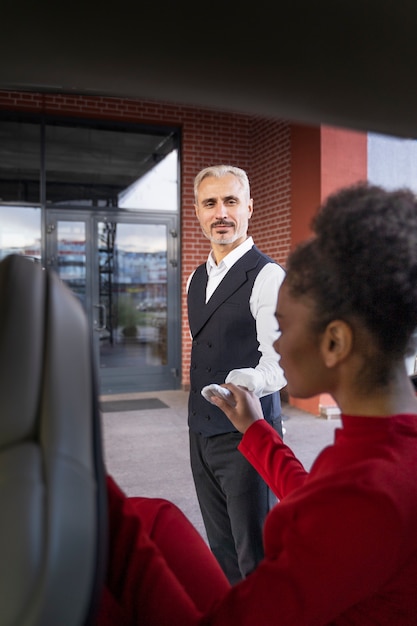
[[231, 306]]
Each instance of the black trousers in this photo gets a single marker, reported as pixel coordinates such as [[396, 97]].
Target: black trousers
[[234, 501]]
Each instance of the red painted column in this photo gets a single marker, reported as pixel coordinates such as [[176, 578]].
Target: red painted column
[[324, 159]]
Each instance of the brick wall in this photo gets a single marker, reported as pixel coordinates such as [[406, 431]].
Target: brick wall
[[259, 145], [270, 174]]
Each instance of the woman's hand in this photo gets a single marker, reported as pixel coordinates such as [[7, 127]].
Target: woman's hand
[[246, 411]]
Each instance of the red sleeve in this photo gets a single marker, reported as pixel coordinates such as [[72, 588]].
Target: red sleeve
[[274, 461]]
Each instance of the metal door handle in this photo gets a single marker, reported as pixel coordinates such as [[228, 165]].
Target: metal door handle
[[103, 316]]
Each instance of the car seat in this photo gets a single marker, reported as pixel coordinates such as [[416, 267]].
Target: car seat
[[53, 515]]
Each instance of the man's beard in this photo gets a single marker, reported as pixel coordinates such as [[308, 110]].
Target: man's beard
[[223, 242], [217, 239]]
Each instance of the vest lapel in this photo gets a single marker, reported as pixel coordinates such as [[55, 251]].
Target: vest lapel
[[234, 279]]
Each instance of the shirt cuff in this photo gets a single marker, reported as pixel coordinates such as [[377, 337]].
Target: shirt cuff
[[247, 377]]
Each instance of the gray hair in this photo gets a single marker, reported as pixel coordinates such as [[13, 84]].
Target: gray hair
[[218, 171]]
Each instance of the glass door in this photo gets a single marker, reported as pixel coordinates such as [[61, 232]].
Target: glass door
[[124, 270]]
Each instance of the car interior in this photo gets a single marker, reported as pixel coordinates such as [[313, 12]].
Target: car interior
[[343, 64]]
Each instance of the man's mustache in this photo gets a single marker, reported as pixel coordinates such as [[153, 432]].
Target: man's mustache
[[222, 223]]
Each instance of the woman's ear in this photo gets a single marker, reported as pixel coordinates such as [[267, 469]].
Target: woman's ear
[[336, 343]]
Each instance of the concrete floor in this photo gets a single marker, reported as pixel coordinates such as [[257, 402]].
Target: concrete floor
[[146, 451]]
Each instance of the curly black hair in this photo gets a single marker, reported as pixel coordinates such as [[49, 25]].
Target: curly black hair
[[361, 263]]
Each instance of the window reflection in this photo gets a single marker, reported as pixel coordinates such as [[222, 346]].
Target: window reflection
[[101, 165], [133, 293], [20, 231], [157, 190], [71, 260]]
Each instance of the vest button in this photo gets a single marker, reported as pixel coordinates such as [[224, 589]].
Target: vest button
[[208, 418], [208, 369]]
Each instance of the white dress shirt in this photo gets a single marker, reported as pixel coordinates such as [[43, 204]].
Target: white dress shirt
[[267, 376]]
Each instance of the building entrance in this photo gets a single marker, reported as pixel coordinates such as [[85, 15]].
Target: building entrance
[[98, 202]]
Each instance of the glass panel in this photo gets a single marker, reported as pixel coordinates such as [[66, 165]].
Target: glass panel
[[19, 162], [71, 261], [133, 294], [156, 190], [20, 231], [94, 166]]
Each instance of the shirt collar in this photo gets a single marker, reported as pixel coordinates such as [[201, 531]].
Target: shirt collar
[[230, 258]]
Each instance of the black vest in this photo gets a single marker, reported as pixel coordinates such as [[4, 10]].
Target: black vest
[[224, 338]]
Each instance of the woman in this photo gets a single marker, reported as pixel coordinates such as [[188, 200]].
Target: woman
[[341, 545]]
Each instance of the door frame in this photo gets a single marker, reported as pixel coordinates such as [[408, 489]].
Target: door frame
[[125, 380]]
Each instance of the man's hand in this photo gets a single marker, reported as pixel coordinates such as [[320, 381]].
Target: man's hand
[[246, 411]]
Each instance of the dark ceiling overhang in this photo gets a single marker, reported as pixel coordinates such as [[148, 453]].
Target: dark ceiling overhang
[[337, 62]]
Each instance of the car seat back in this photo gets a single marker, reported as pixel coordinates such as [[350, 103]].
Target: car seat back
[[52, 478]]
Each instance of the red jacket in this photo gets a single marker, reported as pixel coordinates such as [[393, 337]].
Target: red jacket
[[340, 546]]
